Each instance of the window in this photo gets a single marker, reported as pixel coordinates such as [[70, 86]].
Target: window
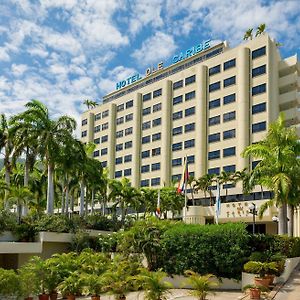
[[156, 122], [146, 97], [104, 151], [157, 93], [155, 167], [104, 164], [128, 145], [97, 141], [215, 137], [120, 107], [189, 111], [214, 103], [120, 120], [119, 160], [119, 133], [214, 70], [146, 125], [118, 174], [259, 52], [84, 133], [190, 80], [155, 181], [97, 128], [229, 116], [104, 138], [156, 137], [129, 103], [214, 171], [156, 151], [177, 115], [146, 139], [258, 108], [145, 153], [145, 168], [176, 162], [191, 159], [105, 113], [177, 100], [96, 153], [257, 127], [229, 64], [177, 146], [129, 117], [144, 182], [177, 84], [255, 163], [177, 130], [127, 158], [259, 89], [214, 120], [213, 154], [228, 134], [84, 122], [119, 147], [157, 107], [229, 168], [190, 95], [229, 99], [128, 131], [127, 172], [214, 86], [229, 81], [189, 144], [189, 127], [258, 71], [97, 117], [176, 177], [146, 111], [228, 151], [105, 126]]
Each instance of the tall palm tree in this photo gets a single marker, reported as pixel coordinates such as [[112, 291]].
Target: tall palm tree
[[90, 104], [279, 167], [204, 183], [225, 178], [260, 29], [248, 34]]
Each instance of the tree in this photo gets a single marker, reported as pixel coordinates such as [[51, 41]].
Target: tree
[[90, 104], [279, 167], [248, 34], [171, 200], [204, 183], [224, 178], [260, 29]]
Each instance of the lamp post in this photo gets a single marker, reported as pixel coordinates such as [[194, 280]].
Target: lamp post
[[253, 211]]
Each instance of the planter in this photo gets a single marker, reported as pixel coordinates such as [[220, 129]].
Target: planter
[[262, 281], [271, 279], [29, 298], [44, 297], [95, 297], [53, 296], [71, 297], [255, 294]]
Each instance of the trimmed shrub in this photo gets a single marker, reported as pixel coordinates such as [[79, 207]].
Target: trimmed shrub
[[55, 223], [8, 221]]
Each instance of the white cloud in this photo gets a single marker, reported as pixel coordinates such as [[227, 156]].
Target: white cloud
[[159, 46], [18, 70], [4, 56]]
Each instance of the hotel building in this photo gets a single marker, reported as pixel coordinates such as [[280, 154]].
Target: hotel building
[[208, 106]]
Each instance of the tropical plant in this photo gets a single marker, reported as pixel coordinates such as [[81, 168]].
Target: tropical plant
[[201, 284], [248, 34], [9, 283], [204, 184], [28, 282], [260, 29], [71, 285], [260, 268], [90, 103], [93, 284]]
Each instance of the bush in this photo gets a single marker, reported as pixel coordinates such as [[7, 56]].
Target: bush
[[9, 283], [8, 221], [215, 249], [81, 240], [55, 223], [100, 222]]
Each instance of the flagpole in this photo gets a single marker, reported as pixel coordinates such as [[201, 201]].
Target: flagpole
[[185, 191]]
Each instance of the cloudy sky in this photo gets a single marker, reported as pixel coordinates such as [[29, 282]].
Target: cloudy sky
[[64, 51]]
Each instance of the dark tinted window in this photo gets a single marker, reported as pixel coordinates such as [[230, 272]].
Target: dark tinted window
[[155, 167], [228, 134], [146, 153], [229, 168], [127, 172], [128, 158], [176, 162], [257, 108], [214, 120], [146, 111], [129, 103], [177, 115], [84, 122], [229, 64], [191, 159], [190, 111], [258, 52], [189, 127], [84, 133], [155, 151], [147, 97], [97, 141], [96, 153], [119, 147], [215, 137], [144, 182], [214, 86], [155, 181], [177, 100], [214, 70], [129, 117], [190, 80], [190, 95], [118, 174], [119, 160], [128, 131], [104, 139], [157, 107], [229, 99], [228, 151], [229, 81], [214, 171], [177, 146], [145, 168], [128, 145], [146, 139], [156, 137], [259, 89], [156, 122], [189, 144], [177, 84], [104, 151], [214, 154], [157, 93], [177, 130], [146, 125], [257, 127], [229, 116], [258, 71], [214, 103]]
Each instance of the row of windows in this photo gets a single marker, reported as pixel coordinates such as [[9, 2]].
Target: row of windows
[[146, 168], [187, 128], [188, 80], [155, 137], [127, 145], [154, 182], [122, 106], [187, 144], [148, 96], [97, 152], [177, 177], [226, 100], [155, 122], [127, 158], [226, 152], [215, 137], [154, 152], [188, 112], [178, 161], [127, 118], [187, 96], [147, 110], [127, 172], [226, 82], [227, 169], [103, 139], [127, 131]]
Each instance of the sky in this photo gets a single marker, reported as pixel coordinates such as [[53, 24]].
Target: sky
[[62, 52]]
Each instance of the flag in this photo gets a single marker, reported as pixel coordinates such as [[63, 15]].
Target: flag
[[218, 203], [182, 184], [157, 211]]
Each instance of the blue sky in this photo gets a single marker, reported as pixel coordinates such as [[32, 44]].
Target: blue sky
[[64, 51]]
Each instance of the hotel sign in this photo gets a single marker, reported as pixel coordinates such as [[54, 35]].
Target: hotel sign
[[176, 58]]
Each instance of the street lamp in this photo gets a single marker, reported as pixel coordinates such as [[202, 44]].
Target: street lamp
[[253, 211]]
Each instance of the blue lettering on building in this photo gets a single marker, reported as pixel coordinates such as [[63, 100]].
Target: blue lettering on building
[[128, 81], [191, 51]]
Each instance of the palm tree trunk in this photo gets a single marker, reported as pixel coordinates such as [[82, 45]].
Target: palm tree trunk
[[50, 189], [86, 203], [93, 201], [290, 216], [282, 219], [62, 200], [72, 202], [81, 204], [193, 199], [67, 198]]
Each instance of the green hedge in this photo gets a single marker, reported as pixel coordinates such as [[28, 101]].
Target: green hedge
[[218, 249]]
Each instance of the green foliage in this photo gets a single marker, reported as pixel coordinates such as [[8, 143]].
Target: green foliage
[[8, 221], [100, 222], [93, 284], [81, 240], [261, 268], [9, 283], [214, 249], [28, 281], [255, 286], [109, 242], [71, 285], [55, 223], [25, 232]]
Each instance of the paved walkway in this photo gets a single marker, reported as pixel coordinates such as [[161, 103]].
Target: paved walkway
[[291, 290]]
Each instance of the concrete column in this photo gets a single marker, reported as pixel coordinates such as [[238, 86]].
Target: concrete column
[[90, 132], [166, 133], [136, 155], [243, 106], [201, 122], [111, 140]]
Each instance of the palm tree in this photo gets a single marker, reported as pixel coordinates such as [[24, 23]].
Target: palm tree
[[204, 183], [90, 104], [279, 167], [224, 178], [260, 29], [149, 199], [248, 34], [171, 200]]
